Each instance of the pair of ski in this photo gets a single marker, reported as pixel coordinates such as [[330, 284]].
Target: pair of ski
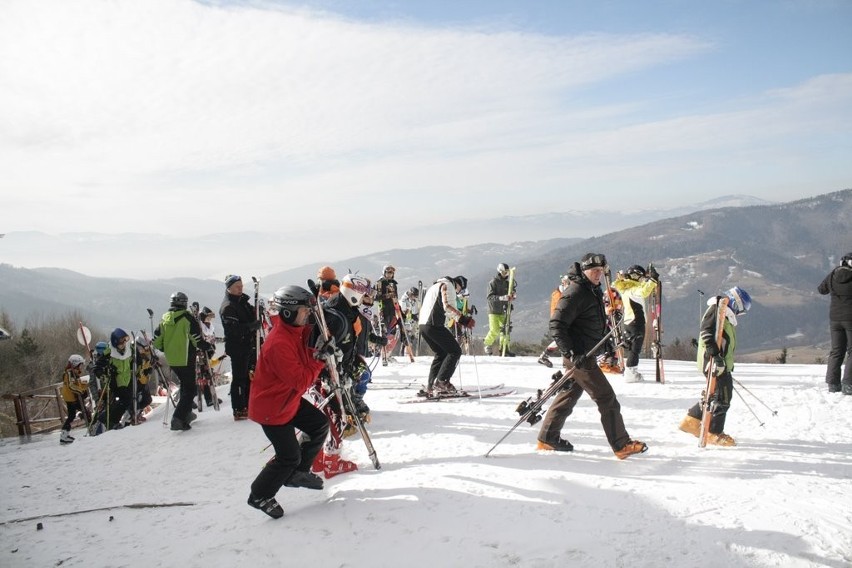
[[340, 391], [493, 391]]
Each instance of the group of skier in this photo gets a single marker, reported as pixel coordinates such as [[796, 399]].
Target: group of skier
[[318, 341]]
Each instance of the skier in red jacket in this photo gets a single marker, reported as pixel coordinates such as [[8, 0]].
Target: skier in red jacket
[[286, 367]]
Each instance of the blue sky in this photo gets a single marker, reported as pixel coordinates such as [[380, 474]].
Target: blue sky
[[443, 110]]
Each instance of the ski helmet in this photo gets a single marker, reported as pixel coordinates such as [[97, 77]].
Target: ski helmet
[[414, 291], [205, 313], [141, 341], [388, 268], [75, 361], [288, 299], [326, 273], [503, 269], [461, 281], [592, 260], [636, 272], [179, 300], [354, 288], [100, 347], [846, 260], [738, 300]]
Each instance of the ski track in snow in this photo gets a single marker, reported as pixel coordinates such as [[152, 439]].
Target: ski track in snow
[[782, 497]]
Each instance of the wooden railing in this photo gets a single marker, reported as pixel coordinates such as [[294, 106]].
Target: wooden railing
[[38, 410]]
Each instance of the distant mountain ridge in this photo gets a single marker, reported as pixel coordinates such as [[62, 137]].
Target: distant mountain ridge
[[778, 252]]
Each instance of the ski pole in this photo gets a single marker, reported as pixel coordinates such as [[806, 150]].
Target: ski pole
[[531, 411], [753, 413], [742, 386], [700, 306]]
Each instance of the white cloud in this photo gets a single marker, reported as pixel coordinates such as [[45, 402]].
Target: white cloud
[[192, 103]]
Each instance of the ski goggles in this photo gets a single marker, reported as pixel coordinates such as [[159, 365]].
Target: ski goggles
[[593, 261]]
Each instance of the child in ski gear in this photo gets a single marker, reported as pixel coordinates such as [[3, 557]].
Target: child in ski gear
[[410, 303], [208, 334], [614, 307], [439, 304], [179, 337], [345, 321], [544, 358], [144, 370], [578, 324], [286, 369], [722, 356], [499, 296], [386, 288], [635, 287], [117, 367], [838, 283], [240, 324], [328, 282], [74, 393]]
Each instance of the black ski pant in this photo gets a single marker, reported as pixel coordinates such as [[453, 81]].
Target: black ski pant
[[73, 408], [447, 352], [841, 347], [186, 376], [588, 379], [290, 455], [634, 333], [720, 402], [123, 403], [240, 383]]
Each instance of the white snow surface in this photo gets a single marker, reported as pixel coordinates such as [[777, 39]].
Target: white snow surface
[[782, 497]]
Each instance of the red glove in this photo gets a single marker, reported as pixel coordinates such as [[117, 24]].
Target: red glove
[[467, 321]]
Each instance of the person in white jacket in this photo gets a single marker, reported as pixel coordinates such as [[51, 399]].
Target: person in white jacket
[[439, 305]]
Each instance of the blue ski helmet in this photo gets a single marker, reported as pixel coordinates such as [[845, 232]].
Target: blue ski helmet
[[738, 300]]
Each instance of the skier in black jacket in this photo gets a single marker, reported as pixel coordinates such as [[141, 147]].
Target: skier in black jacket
[[838, 283], [578, 323], [240, 324]]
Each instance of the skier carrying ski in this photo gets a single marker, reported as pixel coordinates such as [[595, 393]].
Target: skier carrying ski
[[387, 293], [286, 369], [117, 366], [208, 334], [240, 324], [722, 356], [439, 304], [499, 296], [544, 358], [144, 370], [634, 285], [179, 337], [578, 324], [74, 393], [838, 283]]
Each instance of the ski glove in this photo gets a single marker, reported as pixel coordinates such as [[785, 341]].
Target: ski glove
[[467, 321], [570, 360], [712, 349], [719, 362], [503, 298], [378, 340]]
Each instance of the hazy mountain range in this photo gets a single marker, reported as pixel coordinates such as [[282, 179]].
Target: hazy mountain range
[[778, 252]]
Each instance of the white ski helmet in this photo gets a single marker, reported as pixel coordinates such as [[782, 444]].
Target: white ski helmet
[[75, 361], [503, 269], [354, 288]]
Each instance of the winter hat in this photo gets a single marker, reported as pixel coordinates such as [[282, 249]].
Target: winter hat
[[326, 273], [116, 336], [846, 260], [231, 279], [592, 260]]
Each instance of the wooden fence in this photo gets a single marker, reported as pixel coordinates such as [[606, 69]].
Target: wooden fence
[[39, 410]]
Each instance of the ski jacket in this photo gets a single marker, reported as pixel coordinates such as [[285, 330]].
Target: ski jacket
[[554, 297], [238, 321], [285, 370], [439, 304], [387, 294], [72, 386], [635, 293], [838, 283], [499, 288], [707, 336], [119, 365], [579, 320], [178, 336]]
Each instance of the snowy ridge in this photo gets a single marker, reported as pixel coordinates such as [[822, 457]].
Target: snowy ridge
[[781, 498]]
